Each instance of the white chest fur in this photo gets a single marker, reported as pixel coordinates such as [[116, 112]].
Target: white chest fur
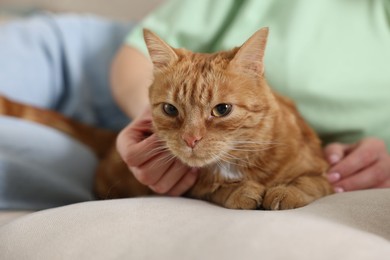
[[228, 171]]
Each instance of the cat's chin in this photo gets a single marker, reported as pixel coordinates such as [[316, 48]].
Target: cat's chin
[[194, 161], [197, 157]]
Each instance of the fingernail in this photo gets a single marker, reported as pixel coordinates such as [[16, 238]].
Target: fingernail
[[334, 158], [333, 177], [338, 190]]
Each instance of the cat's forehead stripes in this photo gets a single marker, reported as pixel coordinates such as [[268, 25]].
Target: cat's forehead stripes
[[193, 90], [196, 80]]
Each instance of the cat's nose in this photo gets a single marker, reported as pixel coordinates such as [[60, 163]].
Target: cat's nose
[[191, 140]]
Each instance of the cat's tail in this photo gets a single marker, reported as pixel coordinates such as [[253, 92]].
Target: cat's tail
[[99, 140]]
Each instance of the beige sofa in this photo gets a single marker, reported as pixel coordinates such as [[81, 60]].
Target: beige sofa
[[354, 225]]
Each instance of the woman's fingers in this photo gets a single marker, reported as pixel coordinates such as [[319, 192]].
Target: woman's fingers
[[170, 178], [334, 152], [185, 183], [370, 177], [364, 165], [136, 140], [385, 184], [136, 154], [150, 161], [360, 157], [153, 169]]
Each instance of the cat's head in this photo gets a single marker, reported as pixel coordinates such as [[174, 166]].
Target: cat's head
[[210, 107]]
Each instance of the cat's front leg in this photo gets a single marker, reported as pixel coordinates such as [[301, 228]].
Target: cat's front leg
[[234, 195], [248, 195], [299, 193]]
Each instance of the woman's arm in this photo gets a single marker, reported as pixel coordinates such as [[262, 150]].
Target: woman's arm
[[131, 76]]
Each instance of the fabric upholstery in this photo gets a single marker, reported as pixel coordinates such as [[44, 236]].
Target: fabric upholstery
[[352, 225]]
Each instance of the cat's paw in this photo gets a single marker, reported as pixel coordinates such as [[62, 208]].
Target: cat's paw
[[246, 196], [284, 197]]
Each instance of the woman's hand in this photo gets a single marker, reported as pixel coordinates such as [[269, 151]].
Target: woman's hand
[[363, 165], [150, 161]]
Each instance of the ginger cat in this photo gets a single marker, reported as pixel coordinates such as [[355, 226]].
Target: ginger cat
[[217, 112]]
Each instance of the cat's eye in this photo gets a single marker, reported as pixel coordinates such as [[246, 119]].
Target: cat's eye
[[170, 110], [221, 110]]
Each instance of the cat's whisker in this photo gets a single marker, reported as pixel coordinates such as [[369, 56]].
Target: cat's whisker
[[159, 141], [157, 150], [252, 146], [241, 162], [163, 160], [159, 147], [232, 163], [253, 142], [231, 159], [246, 164], [220, 161], [248, 149], [156, 143], [110, 189]]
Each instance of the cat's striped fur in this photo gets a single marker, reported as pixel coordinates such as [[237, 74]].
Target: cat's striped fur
[[260, 154]]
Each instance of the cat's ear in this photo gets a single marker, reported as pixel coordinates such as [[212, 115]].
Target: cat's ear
[[160, 52], [249, 57]]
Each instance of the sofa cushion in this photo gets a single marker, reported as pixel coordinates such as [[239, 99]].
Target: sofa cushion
[[353, 225]]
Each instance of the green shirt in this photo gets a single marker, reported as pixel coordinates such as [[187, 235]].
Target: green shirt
[[331, 56]]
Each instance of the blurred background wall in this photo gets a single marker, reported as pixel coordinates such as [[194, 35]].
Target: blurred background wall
[[116, 9]]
